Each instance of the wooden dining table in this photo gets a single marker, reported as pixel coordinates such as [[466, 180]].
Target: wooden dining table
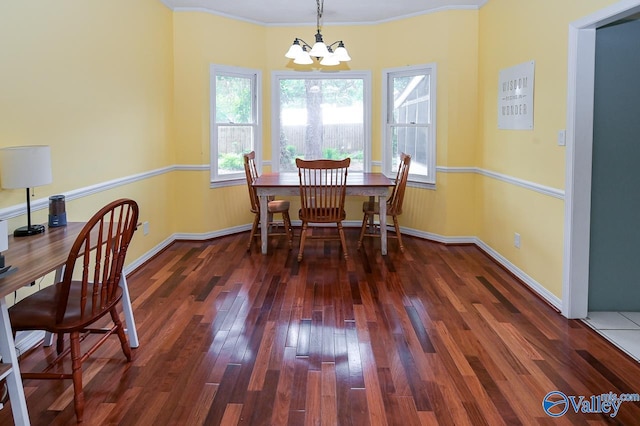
[[288, 183]]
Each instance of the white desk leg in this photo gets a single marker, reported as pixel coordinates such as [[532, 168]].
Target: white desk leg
[[128, 313], [14, 381], [383, 224], [48, 336], [126, 307], [264, 221]]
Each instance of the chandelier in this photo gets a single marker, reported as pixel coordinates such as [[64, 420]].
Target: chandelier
[[301, 52]]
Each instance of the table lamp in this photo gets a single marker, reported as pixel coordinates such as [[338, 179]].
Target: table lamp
[[25, 167]]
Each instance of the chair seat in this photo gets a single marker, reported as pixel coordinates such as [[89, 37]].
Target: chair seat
[[323, 215], [278, 206], [38, 311]]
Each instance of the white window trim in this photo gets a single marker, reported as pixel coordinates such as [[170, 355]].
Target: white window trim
[[256, 75], [431, 69], [276, 76]]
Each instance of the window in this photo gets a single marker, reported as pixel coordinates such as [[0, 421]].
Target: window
[[410, 117], [235, 120], [321, 115]]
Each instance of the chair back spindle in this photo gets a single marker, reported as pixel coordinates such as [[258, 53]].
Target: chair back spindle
[[323, 185], [394, 203], [96, 260]]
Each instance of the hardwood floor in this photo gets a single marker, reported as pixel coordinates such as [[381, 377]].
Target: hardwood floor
[[437, 335]]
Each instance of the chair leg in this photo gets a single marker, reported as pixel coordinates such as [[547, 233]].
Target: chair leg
[[343, 241], [76, 366], [59, 343], [288, 229], [362, 231], [269, 222], [126, 348], [254, 228], [397, 226], [303, 236]]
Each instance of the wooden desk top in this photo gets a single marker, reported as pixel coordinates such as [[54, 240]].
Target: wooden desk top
[[37, 255], [291, 179]]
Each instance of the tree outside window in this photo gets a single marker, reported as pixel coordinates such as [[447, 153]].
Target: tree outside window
[[320, 117]]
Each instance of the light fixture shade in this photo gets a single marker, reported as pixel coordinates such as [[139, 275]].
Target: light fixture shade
[[294, 51], [319, 50], [330, 60], [25, 166], [303, 59], [341, 53]]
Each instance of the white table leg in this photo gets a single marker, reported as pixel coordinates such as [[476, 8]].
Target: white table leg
[[48, 336], [128, 313], [126, 308], [14, 381], [264, 221], [383, 224]]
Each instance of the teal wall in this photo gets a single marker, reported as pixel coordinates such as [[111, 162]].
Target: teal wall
[[614, 264]]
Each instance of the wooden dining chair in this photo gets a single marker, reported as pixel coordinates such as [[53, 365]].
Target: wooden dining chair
[[322, 192], [394, 205], [273, 206], [88, 291]]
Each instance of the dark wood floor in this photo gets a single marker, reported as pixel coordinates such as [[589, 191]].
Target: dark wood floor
[[437, 335]]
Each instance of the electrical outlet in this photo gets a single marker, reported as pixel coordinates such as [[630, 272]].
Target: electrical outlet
[[145, 228], [516, 240], [562, 137]]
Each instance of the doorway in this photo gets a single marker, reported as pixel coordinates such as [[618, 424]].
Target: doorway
[[579, 163]]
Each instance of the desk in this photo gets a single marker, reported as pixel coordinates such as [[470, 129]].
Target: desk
[[367, 184], [34, 257]]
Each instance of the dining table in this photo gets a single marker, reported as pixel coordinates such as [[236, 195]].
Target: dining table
[[371, 184]]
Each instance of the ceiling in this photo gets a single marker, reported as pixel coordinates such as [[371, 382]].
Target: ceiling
[[303, 12]]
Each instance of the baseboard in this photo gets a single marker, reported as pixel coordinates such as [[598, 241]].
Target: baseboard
[[26, 340], [536, 287]]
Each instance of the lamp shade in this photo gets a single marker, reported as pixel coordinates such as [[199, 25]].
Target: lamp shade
[[25, 166]]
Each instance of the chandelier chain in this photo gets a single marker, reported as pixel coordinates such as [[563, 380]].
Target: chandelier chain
[[320, 8]]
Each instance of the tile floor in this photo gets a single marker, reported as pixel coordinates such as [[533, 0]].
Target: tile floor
[[620, 328]]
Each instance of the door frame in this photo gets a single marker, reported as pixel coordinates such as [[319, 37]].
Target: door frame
[[579, 151]]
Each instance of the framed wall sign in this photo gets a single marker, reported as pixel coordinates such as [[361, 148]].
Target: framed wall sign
[[515, 97]]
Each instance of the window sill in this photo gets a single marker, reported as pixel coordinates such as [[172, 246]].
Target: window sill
[[228, 182]]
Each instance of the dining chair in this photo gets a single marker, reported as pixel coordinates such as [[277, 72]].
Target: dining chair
[[88, 291], [394, 205], [273, 206], [322, 192]]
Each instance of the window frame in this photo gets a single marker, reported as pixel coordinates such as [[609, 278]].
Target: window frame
[[388, 74], [218, 180], [276, 76]]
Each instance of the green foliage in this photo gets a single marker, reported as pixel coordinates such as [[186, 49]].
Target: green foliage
[[233, 99], [231, 161], [288, 158], [336, 154], [336, 91]]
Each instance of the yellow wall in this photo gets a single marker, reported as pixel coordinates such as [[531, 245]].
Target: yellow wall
[[448, 39], [119, 88], [510, 33], [94, 80]]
